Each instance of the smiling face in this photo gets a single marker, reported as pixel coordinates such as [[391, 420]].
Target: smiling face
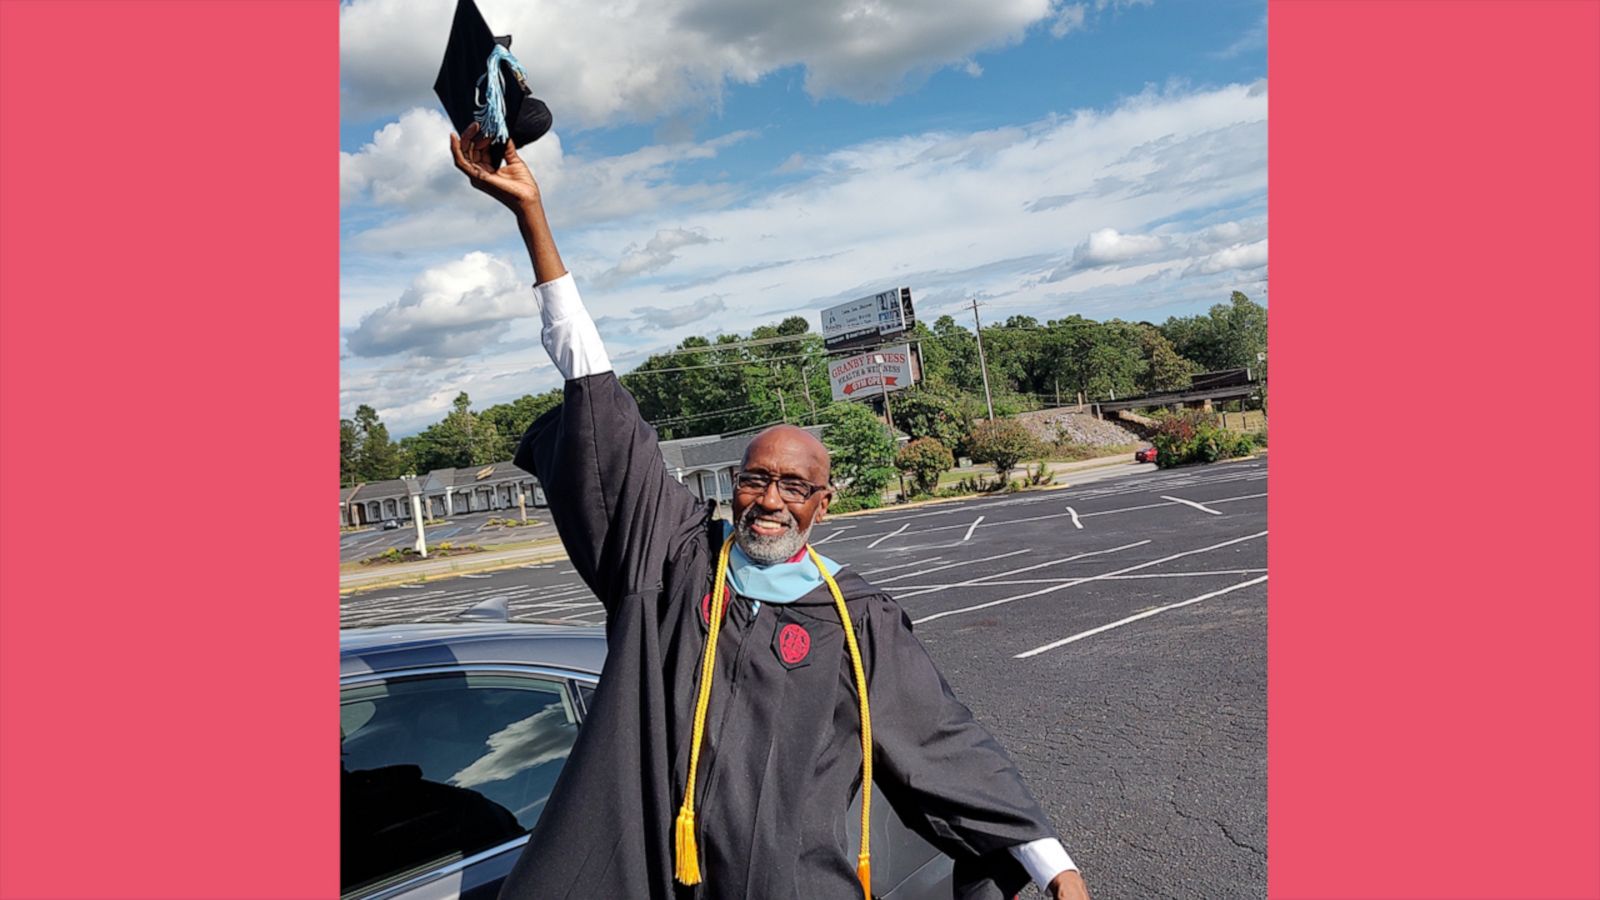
[[768, 528]]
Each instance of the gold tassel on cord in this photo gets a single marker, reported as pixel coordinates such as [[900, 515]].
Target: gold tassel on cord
[[864, 874], [688, 861]]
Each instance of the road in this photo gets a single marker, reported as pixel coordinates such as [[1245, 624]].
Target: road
[[1112, 636]]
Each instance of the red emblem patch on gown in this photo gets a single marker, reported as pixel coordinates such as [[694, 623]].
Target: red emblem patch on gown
[[705, 605], [794, 644]]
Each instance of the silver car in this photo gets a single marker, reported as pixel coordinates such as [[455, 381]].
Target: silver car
[[452, 738]]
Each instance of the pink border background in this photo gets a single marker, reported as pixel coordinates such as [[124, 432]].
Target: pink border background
[[168, 213], [1434, 715], [1435, 639]]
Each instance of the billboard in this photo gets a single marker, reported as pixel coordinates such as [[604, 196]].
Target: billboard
[[867, 320], [870, 374]]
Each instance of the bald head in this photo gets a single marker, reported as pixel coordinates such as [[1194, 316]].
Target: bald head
[[789, 450]]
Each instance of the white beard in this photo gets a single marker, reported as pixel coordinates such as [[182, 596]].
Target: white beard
[[768, 549]]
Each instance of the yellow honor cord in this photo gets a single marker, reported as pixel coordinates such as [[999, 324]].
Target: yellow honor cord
[[687, 863], [864, 860]]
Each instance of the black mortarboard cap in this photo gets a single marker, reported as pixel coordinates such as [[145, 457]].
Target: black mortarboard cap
[[468, 95]]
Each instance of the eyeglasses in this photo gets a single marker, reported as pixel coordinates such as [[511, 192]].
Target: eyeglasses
[[792, 490]]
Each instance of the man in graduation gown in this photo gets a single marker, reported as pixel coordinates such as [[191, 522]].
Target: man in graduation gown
[[779, 739]]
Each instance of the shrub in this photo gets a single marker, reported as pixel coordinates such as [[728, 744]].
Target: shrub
[[925, 459], [843, 503], [1193, 436], [1041, 475], [1002, 443]]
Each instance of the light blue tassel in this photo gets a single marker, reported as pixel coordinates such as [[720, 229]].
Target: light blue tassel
[[491, 116]]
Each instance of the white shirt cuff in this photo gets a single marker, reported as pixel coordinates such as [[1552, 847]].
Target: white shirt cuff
[[1044, 859], [569, 334]]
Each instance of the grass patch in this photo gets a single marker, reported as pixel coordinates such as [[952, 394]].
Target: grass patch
[[441, 550]]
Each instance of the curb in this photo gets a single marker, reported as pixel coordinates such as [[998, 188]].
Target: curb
[[465, 566]]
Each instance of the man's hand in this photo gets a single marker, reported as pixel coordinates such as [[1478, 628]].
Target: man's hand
[[512, 184], [1068, 886]]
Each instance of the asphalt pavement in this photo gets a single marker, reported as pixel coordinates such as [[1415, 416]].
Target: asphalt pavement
[[1112, 636]]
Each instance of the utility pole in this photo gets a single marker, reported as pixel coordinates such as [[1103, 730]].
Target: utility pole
[[889, 414], [783, 408], [982, 365], [805, 381]]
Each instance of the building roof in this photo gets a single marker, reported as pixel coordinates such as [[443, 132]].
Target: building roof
[[714, 453], [493, 473], [672, 451], [394, 487]]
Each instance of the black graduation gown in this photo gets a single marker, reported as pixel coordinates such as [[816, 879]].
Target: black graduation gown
[[781, 756]]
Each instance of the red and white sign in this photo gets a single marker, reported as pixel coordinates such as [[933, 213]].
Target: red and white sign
[[870, 374]]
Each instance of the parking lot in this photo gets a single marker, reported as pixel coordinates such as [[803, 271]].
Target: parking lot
[[1113, 636], [467, 528]]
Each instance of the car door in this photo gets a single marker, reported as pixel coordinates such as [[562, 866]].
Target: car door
[[444, 770]]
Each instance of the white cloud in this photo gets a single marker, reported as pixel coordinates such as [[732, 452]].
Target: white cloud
[[600, 62], [1068, 19], [449, 311], [656, 254], [1123, 211], [1238, 256], [408, 164], [1108, 246], [678, 316], [406, 176]]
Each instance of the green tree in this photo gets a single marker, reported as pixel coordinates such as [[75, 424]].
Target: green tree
[[1165, 370], [862, 450], [349, 449], [938, 411], [378, 459], [1228, 336], [510, 420], [1002, 443], [460, 440], [924, 459]]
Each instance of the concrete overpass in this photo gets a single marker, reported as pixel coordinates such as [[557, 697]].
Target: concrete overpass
[[1198, 398]]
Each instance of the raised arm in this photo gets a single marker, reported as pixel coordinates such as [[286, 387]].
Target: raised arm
[[619, 513]]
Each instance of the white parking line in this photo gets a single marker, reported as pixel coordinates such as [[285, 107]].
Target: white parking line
[[971, 528], [841, 530], [1041, 518], [1062, 587], [889, 535], [984, 579], [1204, 509], [902, 566], [929, 588], [1136, 617], [963, 562], [1074, 514]]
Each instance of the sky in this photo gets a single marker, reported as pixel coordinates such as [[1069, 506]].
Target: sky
[[716, 165]]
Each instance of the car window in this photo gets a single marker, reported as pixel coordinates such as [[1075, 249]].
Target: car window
[[438, 767]]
